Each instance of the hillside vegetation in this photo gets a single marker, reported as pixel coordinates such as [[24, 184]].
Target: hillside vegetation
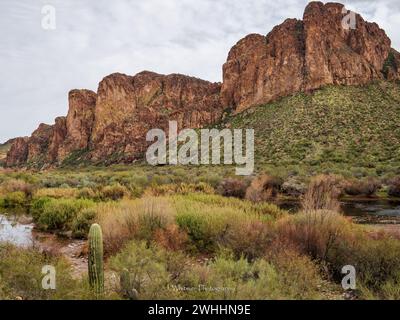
[[342, 128]]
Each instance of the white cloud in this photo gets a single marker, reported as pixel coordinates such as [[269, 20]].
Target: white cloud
[[96, 38]]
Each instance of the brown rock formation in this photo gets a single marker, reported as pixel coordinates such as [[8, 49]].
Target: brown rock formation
[[18, 153], [127, 107], [79, 122], [39, 142], [304, 55], [57, 138]]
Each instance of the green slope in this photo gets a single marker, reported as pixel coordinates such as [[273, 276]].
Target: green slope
[[337, 128]]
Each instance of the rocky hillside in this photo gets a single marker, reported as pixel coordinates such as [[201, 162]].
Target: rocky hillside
[[297, 56], [338, 128]]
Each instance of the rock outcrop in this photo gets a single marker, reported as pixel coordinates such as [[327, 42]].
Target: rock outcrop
[[79, 122], [111, 126], [304, 55], [127, 107], [18, 153], [298, 55]]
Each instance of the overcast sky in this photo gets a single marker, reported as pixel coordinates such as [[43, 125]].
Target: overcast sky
[[95, 38]]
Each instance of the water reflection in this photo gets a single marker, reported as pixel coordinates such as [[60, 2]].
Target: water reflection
[[15, 232]]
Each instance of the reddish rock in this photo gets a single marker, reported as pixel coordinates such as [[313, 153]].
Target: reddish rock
[[127, 107], [303, 55], [39, 142], [79, 122], [335, 55], [57, 139], [18, 153]]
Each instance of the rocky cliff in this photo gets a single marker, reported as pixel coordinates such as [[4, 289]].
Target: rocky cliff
[[303, 55], [298, 55]]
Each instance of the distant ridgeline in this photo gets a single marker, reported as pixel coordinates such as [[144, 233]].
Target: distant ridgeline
[[338, 123]]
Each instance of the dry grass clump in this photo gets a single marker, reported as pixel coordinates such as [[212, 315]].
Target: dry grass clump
[[181, 188], [129, 219], [57, 193], [17, 185], [323, 194], [171, 238], [316, 232], [263, 188]]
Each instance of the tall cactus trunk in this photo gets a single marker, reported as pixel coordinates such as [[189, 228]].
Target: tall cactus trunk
[[95, 260]]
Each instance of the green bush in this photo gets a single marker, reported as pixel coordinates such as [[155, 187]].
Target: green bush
[[114, 192], [58, 214], [37, 206], [198, 232], [148, 267], [21, 276], [14, 200]]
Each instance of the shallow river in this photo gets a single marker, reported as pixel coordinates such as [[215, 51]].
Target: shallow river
[[363, 211], [15, 230]]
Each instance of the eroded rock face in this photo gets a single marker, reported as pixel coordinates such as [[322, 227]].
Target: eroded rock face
[[127, 107], [302, 56], [57, 139], [18, 153], [79, 122], [39, 142]]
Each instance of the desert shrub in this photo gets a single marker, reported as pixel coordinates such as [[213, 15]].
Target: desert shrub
[[82, 222], [14, 200], [263, 188], [367, 187], [259, 280], [264, 209], [208, 218], [17, 185], [181, 188], [249, 240], [21, 276], [376, 262], [87, 193], [316, 233], [394, 187], [150, 269], [323, 193], [58, 214], [158, 274], [57, 193], [114, 192], [299, 276], [132, 219], [154, 215], [160, 190], [37, 206], [171, 238], [198, 231], [233, 188]]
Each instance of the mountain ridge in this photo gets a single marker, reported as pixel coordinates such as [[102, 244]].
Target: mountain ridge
[[110, 125]]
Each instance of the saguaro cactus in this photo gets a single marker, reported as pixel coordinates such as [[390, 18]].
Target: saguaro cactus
[[95, 260], [127, 289]]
